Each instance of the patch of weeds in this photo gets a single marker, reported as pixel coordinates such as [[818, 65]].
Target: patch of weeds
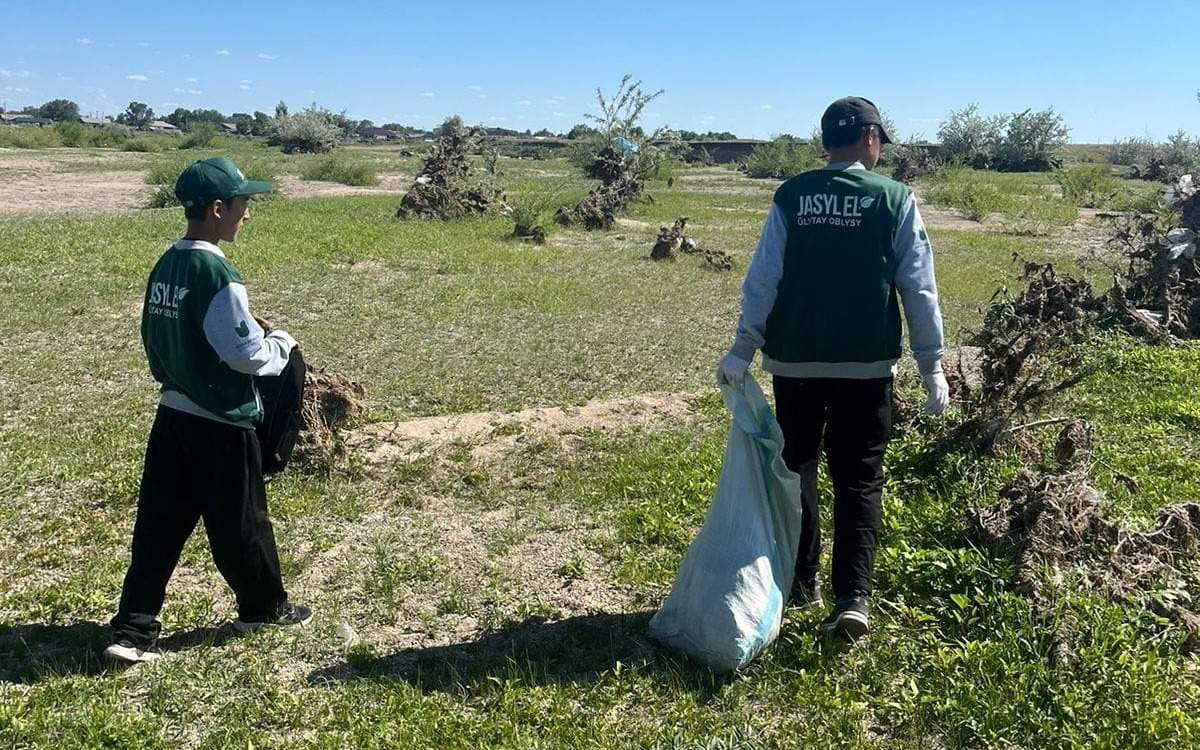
[[508, 428], [574, 568], [339, 167]]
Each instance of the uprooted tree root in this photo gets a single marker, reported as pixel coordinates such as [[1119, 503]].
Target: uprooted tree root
[[445, 187], [331, 402], [1061, 523], [599, 208], [673, 240]]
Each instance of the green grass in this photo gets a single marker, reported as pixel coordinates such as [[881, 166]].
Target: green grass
[[469, 581], [1025, 203]]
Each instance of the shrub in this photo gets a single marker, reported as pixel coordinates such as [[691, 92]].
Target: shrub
[[1094, 186], [1018, 142], [337, 167], [314, 131], [1132, 151], [73, 134], [142, 145], [22, 137], [112, 135], [782, 158], [202, 135], [533, 215]]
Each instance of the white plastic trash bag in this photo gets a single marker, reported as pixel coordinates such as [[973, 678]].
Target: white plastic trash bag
[[727, 601]]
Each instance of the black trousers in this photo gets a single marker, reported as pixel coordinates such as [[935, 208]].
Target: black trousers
[[855, 419], [198, 468]]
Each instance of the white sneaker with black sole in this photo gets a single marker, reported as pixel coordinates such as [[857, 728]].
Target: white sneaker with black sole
[[125, 652], [294, 616], [849, 619]]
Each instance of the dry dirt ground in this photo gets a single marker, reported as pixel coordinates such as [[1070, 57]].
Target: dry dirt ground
[[88, 183]]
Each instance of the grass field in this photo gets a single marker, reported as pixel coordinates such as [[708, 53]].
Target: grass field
[[492, 590]]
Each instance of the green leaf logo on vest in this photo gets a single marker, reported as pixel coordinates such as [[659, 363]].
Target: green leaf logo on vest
[[243, 330]]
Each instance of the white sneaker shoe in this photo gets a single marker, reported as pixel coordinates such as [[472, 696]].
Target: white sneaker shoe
[[125, 652]]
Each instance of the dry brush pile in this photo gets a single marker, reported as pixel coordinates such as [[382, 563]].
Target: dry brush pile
[[673, 240], [1055, 524], [331, 403]]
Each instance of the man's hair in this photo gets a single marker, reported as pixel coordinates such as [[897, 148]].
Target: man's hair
[[198, 212], [840, 138]]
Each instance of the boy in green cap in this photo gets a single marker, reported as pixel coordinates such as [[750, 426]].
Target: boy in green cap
[[203, 459]]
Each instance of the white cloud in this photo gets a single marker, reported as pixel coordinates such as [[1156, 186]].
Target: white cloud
[[244, 87], [247, 81], [136, 77], [193, 92], [767, 106], [84, 40], [559, 114], [13, 73], [169, 104], [191, 79], [265, 56], [524, 102], [427, 94], [143, 44], [482, 96], [224, 52], [16, 90], [475, 87]]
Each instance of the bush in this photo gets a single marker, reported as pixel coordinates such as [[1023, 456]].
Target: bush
[[1094, 186], [337, 167], [142, 145], [73, 134], [533, 215], [1018, 142], [313, 131], [22, 137], [201, 135], [112, 135], [782, 158], [1132, 151]]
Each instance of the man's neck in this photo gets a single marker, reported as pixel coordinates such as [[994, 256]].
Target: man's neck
[[847, 156], [200, 231]]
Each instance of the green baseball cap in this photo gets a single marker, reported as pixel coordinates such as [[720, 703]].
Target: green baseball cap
[[215, 179]]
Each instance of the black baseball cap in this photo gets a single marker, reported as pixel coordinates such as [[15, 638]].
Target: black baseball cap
[[851, 113], [215, 179]]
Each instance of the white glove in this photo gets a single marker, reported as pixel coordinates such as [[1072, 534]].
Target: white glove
[[732, 370], [939, 392]]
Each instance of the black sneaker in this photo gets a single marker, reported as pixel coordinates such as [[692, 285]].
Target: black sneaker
[[293, 616], [123, 651], [806, 594], [849, 619]]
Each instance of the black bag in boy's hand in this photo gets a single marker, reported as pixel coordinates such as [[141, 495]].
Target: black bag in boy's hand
[[282, 396]]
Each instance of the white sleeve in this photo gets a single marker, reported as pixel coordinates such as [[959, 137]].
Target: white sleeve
[[761, 285], [918, 289], [239, 340]]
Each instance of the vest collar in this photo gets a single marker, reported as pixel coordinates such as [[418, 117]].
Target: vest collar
[[200, 245], [840, 166]]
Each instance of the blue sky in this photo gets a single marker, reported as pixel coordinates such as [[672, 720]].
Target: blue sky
[[757, 69]]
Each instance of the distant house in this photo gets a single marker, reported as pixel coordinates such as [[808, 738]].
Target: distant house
[[379, 134], [162, 126], [96, 122], [17, 118]]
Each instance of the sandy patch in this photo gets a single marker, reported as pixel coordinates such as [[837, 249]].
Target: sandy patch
[[500, 432], [90, 193]]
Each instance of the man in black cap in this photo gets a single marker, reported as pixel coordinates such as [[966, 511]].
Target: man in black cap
[[820, 300], [203, 458]]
